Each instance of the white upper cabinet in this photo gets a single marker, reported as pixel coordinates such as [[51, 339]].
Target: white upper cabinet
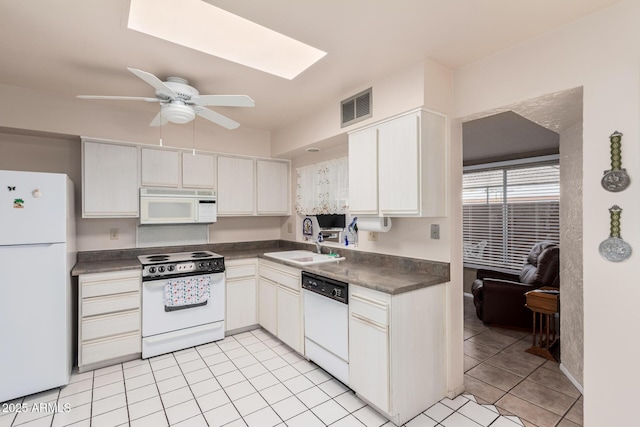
[[160, 168], [253, 187], [109, 180], [236, 184], [113, 173], [363, 172], [198, 171], [272, 187], [397, 168]]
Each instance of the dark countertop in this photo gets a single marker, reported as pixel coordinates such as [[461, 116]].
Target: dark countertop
[[389, 274]]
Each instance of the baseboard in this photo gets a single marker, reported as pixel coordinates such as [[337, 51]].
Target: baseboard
[[571, 378]]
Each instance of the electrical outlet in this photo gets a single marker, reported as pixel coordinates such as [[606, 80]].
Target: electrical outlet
[[435, 231], [114, 233], [289, 227], [373, 236]]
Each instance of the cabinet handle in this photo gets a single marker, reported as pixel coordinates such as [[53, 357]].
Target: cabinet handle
[[111, 338], [366, 300], [288, 290], [369, 322], [175, 334]]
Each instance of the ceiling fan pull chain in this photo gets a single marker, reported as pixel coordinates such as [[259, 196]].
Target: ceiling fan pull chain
[[160, 125], [194, 138]]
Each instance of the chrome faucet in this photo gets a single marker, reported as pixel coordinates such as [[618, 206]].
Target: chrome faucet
[[318, 243]]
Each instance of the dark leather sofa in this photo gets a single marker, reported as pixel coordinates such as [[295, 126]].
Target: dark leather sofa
[[499, 297]]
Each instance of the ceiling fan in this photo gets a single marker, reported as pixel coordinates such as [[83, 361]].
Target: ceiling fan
[[179, 102]]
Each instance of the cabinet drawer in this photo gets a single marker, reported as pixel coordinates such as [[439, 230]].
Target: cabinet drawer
[[245, 270], [110, 304], [369, 308], [284, 278], [109, 284], [110, 348], [110, 324]]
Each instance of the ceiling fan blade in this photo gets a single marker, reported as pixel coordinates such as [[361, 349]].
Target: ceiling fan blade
[[155, 82], [159, 120], [223, 100], [120, 98], [216, 118]]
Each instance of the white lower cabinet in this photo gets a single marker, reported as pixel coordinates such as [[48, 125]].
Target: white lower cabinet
[[268, 309], [280, 303], [369, 360], [109, 318], [289, 317], [242, 293], [397, 356]]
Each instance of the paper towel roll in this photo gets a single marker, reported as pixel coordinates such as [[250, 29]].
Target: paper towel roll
[[374, 224]]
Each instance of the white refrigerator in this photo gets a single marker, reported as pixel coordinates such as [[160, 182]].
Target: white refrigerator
[[37, 252]]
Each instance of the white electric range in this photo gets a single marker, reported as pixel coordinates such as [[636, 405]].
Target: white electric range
[[183, 300]]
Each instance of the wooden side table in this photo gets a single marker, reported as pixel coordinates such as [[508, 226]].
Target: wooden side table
[[544, 303]]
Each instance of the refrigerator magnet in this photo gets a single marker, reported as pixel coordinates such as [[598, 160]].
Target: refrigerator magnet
[[11, 187], [18, 203]]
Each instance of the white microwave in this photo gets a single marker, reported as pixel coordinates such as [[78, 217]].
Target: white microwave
[[165, 206]]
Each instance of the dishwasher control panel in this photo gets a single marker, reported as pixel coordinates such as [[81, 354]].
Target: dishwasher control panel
[[329, 288]]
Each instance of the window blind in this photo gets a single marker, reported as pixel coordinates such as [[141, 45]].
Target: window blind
[[506, 211]]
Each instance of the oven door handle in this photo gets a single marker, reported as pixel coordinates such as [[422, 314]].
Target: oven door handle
[[183, 333], [154, 285]]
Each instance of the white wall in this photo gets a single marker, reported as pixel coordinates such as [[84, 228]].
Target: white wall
[[600, 53], [48, 112], [402, 91]]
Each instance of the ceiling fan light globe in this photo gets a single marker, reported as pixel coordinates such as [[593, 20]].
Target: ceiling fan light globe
[[178, 113]]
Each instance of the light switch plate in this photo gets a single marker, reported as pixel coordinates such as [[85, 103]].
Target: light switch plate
[[435, 231]]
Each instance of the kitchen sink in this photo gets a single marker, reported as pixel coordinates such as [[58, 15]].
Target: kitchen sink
[[303, 257]]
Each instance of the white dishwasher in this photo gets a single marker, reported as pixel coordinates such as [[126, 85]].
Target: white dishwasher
[[326, 324]]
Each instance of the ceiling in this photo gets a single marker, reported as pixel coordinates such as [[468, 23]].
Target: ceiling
[[72, 47], [505, 136]]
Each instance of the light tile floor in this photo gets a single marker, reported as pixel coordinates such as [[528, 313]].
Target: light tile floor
[[246, 379], [498, 371]]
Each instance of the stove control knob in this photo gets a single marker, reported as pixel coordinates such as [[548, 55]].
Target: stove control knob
[[152, 270], [161, 269], [171, 268], [201, 265]]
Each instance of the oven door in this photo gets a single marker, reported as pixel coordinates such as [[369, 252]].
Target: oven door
[[156, 320]]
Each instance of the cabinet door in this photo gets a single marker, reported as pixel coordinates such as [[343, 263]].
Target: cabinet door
[[160, 168], [109, 180], [235, 186], [399, 166], [198, 171], [241, 303], [272, 187], [267, 300], [369, 360], [290, 318], [363, 172]]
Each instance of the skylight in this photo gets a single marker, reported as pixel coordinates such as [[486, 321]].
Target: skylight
[[209, 29]]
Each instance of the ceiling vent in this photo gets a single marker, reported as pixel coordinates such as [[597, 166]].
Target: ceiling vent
[[356, 108]]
